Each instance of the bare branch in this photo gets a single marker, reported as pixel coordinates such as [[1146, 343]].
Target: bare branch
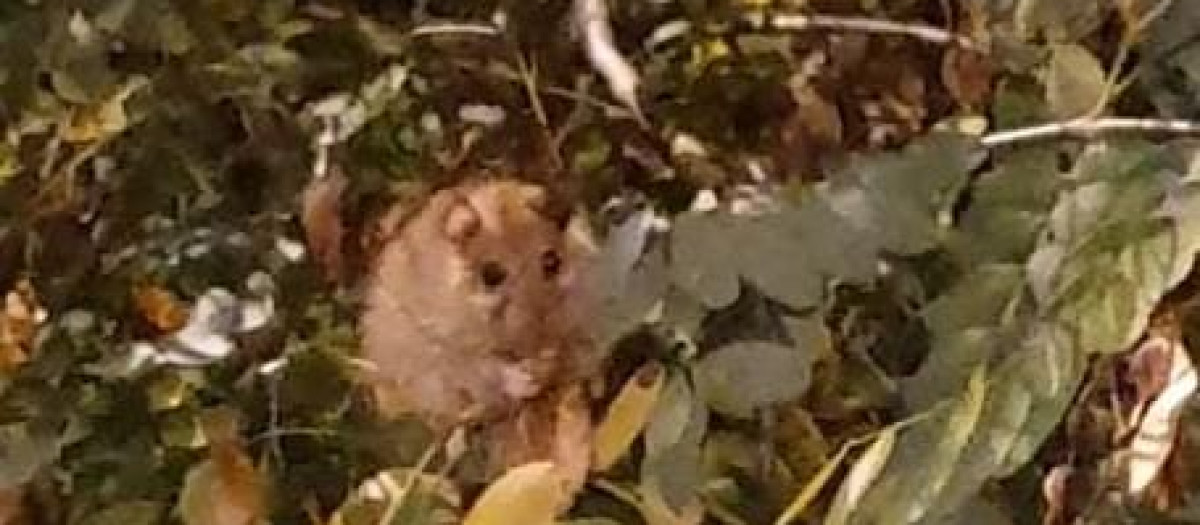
[[455, 28], [591, 17], [801, 22], [1093, 128]]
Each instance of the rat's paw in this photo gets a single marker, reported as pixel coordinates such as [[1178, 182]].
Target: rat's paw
[[518, 381]]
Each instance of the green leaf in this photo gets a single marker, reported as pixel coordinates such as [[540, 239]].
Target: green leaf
[[928, 451], [740, 378], [773, 258], [1058, 20], [704, 257], [903, 199], [1009, 205], [1114, 246], [128, 513], [23, 451], [1075, 81], [673, 437], [627, 285]]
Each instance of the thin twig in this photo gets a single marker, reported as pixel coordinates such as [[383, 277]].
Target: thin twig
[[455, 28], [560, 92], [1092, 128], [528, 74], [1112, 83], [801, 22]]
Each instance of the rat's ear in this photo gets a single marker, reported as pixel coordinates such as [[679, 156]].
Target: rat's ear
[[579, 236], [461, 220], [536, 197]]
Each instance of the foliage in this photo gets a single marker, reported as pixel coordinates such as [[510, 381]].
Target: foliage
[[829, 292]]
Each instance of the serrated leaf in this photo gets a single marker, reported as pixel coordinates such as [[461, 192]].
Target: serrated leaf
[[627, 415], [526, 494], [740, 378]]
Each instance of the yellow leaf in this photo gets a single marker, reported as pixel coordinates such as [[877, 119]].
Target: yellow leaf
[[528, 494], [103, 119], [627, 416], [95, 122]]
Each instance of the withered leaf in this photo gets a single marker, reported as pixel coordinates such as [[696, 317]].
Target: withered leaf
[[322, 221]]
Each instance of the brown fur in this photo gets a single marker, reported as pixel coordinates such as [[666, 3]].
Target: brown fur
[[475, 314]]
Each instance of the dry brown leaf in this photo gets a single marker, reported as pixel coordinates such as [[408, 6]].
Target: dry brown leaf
[[1155, 437], [226, 488], [103, 119], [321, 216], [18, 322], [12, 506], [95, 122], [161, 308], [1054, 494], [816, 115], [967, 75]]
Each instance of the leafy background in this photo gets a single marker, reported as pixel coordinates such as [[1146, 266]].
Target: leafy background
[[837, 292]]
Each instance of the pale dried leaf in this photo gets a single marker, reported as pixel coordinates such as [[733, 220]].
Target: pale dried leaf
[[861, 476], [1155, 437], [591, 16]]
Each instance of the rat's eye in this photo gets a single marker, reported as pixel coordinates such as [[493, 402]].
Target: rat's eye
[[492, 274], [551, 263]]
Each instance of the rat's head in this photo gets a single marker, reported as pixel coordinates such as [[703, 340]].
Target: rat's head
[[515, 259]]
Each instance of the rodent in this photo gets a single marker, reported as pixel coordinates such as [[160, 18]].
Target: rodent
[[475, 305]]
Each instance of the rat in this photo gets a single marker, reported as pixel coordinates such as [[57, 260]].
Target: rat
[[474, 314]]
